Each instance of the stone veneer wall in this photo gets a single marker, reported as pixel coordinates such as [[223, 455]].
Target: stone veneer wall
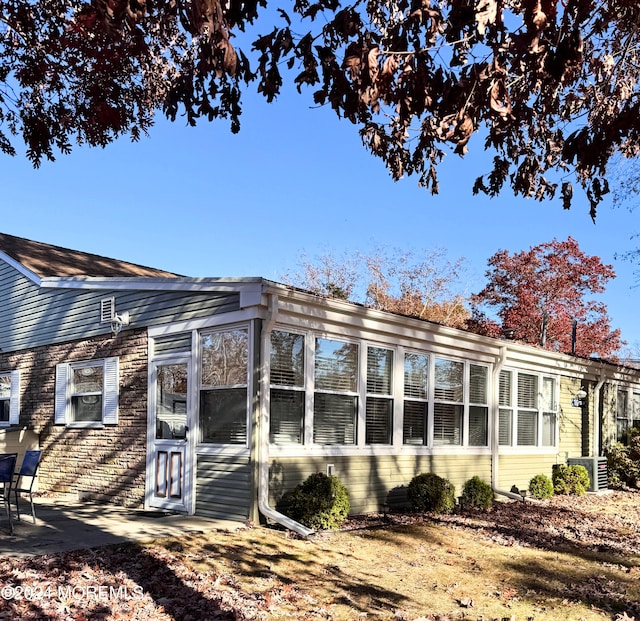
[[105, 464]]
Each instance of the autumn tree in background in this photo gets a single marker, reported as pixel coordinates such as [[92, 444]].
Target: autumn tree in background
[[540, 292], [549, 87], [397, 281]]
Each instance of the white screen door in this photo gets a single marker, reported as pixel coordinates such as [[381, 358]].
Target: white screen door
[[170, 456]]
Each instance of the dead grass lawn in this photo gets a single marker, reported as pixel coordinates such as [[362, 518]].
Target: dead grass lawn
[[567, 559]]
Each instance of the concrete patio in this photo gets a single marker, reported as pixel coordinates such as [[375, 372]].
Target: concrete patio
[[64, 524]]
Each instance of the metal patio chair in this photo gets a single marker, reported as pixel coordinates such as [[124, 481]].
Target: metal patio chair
[[7, 469], [28, 470]]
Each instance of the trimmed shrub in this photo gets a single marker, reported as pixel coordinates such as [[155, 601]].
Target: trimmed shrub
[[477, 493], [541, 487], [320, 502], [429, 492], [623, 462], [570, 480]]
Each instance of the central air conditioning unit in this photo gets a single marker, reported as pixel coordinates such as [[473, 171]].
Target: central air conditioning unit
[[597, 469]]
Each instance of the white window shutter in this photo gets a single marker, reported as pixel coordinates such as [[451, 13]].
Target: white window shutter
[[111, 390], [14, 399], [61, 400]]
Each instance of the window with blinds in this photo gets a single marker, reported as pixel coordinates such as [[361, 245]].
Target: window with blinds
[[535, 415], [416, 384], [622, 416], [505, 413], [549, 408], [224, 385], [379, 399], [448, 407], [287, 368], [527, 410], [478, 406], [335, 403]]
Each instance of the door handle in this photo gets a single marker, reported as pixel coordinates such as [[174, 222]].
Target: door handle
[[186, 432]]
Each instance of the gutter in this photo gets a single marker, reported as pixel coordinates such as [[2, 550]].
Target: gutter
[[263, 430], [495, 439]]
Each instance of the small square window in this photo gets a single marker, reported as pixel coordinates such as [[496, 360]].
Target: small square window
[[87, 393]]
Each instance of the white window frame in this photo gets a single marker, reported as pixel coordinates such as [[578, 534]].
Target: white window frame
[[110, 392], [631, 413], [13, 399], [396, 396], [372, 395], [358, 431], [465, 402], [540, 410], [213, 447], [294, 389]]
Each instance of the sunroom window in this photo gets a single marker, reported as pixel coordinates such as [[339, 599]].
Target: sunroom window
[[335, 405], [379, 400], [287, 388], [416, 394], [478, 406], [224, 386], [448, 407]]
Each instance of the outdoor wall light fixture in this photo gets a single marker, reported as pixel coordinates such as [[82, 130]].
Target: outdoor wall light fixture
[[578, 400], [119, 321]]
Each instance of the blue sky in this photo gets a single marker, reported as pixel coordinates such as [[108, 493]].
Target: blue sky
[[203, 202]]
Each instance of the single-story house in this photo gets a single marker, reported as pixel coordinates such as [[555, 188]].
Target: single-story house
[[216, 396]]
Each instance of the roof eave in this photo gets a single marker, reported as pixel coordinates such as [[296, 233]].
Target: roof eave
[[9, 260], [250, 289]]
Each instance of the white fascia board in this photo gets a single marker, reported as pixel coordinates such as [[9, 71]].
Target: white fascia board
[[213, 321], [250, 289], [311, 312], [20, 268], [371, 322]]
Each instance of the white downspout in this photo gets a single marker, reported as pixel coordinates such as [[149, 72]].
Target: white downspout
[[263, 429], [495, 438]]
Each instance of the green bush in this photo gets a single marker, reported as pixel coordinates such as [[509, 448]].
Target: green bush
[[477, 493], [623, 462], [570, 480], [429, 492], [541, 487], [320, 502]]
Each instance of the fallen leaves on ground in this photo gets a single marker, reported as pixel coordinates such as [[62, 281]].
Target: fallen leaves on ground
[[568, 557]]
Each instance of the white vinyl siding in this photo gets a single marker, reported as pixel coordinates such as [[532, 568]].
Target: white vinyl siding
[[87, 393]]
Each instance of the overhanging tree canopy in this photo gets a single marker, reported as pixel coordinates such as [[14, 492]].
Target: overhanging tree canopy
[[551, 87]]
